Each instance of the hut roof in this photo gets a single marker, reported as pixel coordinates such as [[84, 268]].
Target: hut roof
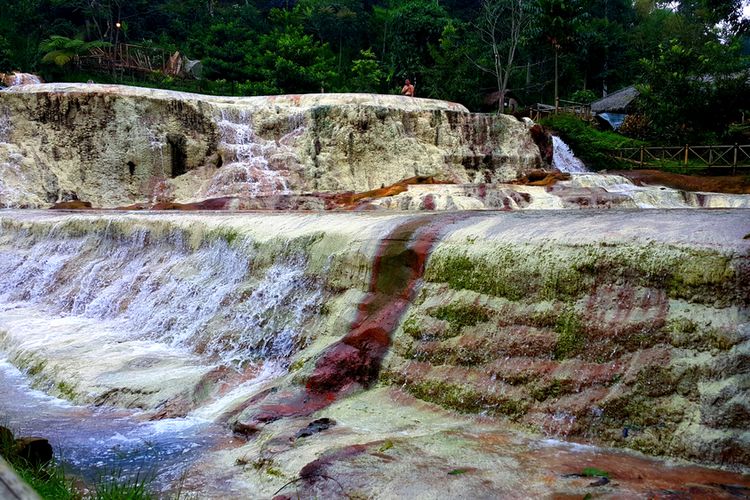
[[616, 102]]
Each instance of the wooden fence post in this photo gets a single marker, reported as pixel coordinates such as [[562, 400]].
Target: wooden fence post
[[687, 148], [642, 148], [734, 159]]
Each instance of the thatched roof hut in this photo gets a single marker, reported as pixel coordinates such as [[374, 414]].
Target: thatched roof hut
[[616, 102]]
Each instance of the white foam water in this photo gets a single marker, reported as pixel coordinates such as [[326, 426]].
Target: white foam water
[[253, 166], [96, 313], [208, 300], [563, 158]]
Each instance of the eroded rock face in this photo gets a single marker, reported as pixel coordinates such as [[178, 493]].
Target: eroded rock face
[[622, 339], [114, 145]]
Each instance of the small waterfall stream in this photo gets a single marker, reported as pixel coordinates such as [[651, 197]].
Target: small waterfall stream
[[253, 167], [160, 289], [563, 158]]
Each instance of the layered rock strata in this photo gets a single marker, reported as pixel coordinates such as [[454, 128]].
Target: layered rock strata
[[601, 327], [115, 145], [627, 333]]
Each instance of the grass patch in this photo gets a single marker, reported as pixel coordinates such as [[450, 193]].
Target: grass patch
[[118, 486], [570, 335], [457, 472], [594, 472], [50, 481], [461, 315]]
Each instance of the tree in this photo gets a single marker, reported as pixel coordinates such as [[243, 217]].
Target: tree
[[452, 76], [710, 13], [291, 61], [61, 50], [504, 25], [406, 32], [6, 55], [367, 73], [340, 23], [692, 95]]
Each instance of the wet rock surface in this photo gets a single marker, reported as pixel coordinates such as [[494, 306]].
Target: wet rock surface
[[627, 344], [116, 145], [734, 184], [32, 451], [442, 336]]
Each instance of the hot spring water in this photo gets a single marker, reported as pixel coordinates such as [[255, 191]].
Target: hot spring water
[[135, 305]]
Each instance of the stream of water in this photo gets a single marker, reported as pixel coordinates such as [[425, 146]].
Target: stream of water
[[564, 159], [133, 317], [96, 442]]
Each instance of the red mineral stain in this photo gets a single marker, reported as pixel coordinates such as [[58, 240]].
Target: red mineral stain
[[355, 360], [428, 202]]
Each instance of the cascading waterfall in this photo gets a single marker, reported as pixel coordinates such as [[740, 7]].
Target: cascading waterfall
[[25, 79], [143, 308], [252, 165], [157, 146], [207, 300], [563, 158], [654, 196]]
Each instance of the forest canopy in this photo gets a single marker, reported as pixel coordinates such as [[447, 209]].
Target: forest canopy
[[689, 59]]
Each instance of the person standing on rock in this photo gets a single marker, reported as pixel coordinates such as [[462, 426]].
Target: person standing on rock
[[408, 89]]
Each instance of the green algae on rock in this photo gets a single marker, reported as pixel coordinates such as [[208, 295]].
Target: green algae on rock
[[623, 359]]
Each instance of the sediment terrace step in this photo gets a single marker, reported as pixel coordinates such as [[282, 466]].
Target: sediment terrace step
[[115, 145], [626, 327], [629, 332]]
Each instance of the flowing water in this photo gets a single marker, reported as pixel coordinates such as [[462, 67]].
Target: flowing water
[[159, 331], [252, 166], [25, 79], [147, 314], [654, 196], [563, 158], [160, 289], [158, 327], [98, 442]]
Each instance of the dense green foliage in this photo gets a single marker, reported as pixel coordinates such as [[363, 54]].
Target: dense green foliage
[[687, 57]]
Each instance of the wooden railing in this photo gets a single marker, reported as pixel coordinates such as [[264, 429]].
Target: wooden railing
[[582, 111], [128, 57], [726, 156]]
